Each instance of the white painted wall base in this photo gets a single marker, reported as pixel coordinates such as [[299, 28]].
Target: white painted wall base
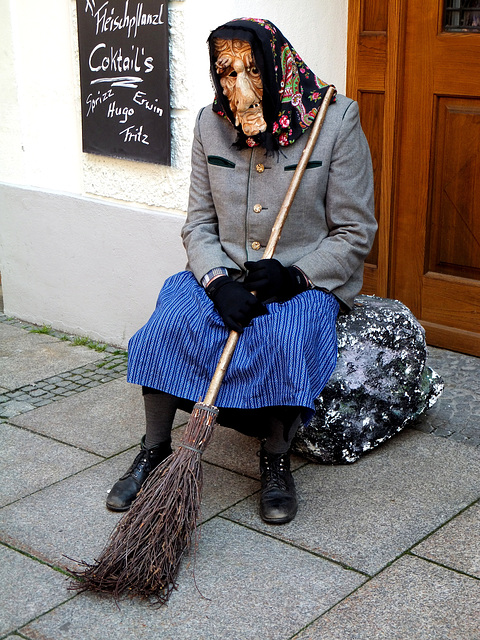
[[84, 266]]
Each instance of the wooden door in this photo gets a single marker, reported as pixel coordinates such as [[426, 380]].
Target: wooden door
[[436, 258], [429, 253]]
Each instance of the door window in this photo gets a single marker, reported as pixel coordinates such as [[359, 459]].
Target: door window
[[462, 15]]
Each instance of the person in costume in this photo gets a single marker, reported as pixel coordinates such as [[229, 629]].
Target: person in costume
[[245, 149]]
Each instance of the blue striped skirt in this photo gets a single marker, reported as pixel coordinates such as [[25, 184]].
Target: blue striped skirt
[[284, 358]]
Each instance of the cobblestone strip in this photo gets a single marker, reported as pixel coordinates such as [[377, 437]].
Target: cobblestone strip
[[31, 396]]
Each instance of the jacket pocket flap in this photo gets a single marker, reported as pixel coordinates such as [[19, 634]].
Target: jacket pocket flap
[[218, 161], [310, 165]]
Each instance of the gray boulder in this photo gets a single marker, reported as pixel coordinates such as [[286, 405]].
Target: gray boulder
[[380, 384]]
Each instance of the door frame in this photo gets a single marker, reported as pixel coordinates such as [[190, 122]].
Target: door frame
[[375, 53]]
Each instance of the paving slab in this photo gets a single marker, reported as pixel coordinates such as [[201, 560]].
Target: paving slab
[[29, 589], [30, 462], [368, 513], [456, 414], [222, 489], [451, 410], [237, 452], [70, 520], [233, 450], [457, 369], [104, 420], [246, 586], [65, 519], [28, 357], [457, 544], [411, 600]]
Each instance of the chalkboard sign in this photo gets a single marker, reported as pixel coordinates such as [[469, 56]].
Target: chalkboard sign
[[124, 78]]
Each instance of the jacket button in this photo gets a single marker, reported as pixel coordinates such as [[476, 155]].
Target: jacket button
[[260, 167], [257, 208], [256, 245]]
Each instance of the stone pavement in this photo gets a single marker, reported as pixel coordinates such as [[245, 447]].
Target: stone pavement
[[388, 547]]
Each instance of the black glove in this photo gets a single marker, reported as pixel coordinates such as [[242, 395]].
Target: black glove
[[270, 279], [236, 306]]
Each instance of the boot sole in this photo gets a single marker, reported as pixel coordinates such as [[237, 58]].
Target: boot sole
[[279, 520], [117, 509]]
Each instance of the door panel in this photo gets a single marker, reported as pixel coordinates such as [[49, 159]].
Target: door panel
[[442, 298], [453, 246]]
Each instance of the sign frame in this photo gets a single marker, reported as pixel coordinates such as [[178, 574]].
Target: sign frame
[[125, 79]]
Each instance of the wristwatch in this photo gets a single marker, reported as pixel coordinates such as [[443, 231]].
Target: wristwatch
[[212, 274]]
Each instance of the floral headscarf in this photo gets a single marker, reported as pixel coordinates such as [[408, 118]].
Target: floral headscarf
[[292, 93]]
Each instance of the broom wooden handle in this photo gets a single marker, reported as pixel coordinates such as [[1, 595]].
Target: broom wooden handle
[[232, 340]]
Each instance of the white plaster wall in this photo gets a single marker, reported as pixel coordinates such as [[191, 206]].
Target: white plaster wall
[[86, 241], [84, 266], [44, 143], [317, 29], [10, 122]]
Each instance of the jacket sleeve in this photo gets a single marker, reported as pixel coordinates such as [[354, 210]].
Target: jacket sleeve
[[349, 209], [200, 231]]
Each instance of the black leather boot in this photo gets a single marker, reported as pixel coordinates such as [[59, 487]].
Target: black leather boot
[[125, 490], [278, 499]]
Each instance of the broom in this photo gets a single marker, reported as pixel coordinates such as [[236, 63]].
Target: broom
[[143, 556]]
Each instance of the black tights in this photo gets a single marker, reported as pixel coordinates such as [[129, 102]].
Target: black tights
[[276, 425]]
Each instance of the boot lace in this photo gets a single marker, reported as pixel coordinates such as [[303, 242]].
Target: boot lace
[[274, 471], [141, 463]]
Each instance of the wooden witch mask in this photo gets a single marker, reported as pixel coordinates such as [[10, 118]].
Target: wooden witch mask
[[241, 83]]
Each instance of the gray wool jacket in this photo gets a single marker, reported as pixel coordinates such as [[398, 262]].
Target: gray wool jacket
[[235, 196]]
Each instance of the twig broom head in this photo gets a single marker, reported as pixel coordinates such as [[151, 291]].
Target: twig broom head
[[143, 555]]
